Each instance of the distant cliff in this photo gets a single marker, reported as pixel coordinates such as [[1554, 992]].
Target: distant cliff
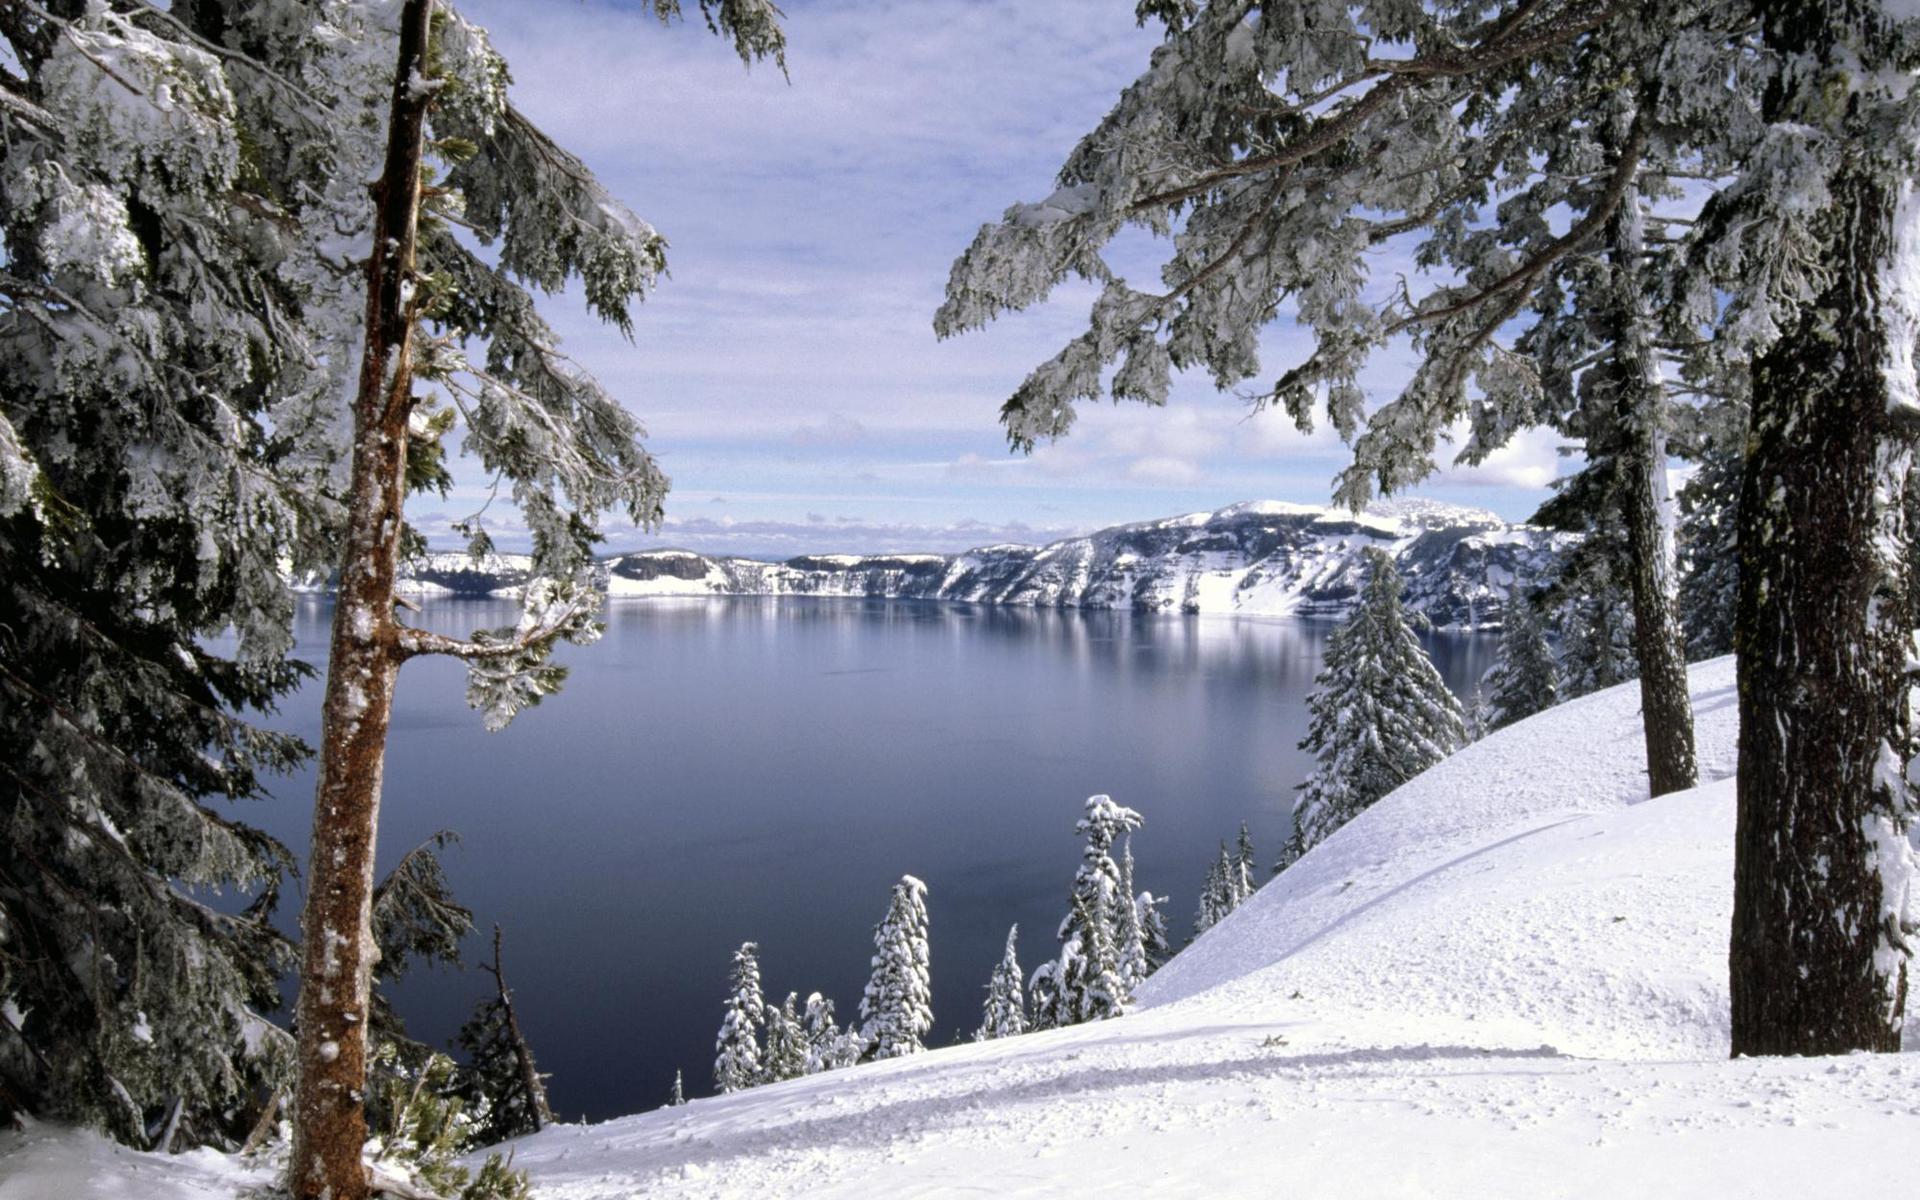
[[1261, 558]]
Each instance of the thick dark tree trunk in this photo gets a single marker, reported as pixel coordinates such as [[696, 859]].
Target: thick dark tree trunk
[[1822, 634], [1640, 400], [329, 1121]]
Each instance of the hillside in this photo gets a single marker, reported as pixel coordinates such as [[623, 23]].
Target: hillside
[[1506, 979], [1262, 558]]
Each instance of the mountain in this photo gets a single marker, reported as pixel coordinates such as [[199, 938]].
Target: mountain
[[1262, 558]]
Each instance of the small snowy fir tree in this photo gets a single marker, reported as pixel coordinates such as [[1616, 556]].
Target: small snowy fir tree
[[897, 1010], [678, 1096], [786, 1053], [1152, 920], [1135, 964], [1006, 1007], [1524, 681], [1478, 712], [1210, 907], [1043, 997], [1091, 985], [1380, 716], [829, 1047], [736, 1062], [1241, 875]]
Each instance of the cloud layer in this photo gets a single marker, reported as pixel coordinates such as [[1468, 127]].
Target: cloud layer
[[788, 366]]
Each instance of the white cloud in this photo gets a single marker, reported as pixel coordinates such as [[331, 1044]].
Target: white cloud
[[1531, 460], [1164, 469]]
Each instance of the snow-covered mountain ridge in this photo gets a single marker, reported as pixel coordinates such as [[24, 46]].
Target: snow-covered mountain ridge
[[1262, 558]]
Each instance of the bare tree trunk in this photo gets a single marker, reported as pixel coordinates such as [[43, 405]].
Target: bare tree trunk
[[329, 1118], [522, 1052], [1666, 712], [1821, 632]]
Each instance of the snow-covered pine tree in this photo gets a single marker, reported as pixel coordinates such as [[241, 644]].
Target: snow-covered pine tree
[[144, 510], [1089, 978], [829, 1047], [1211, 905], [568, 451], [501, 1065], [1243, 869], [1709, 554], [1524, 681], [1129, 937], [897, 1009], [736, 1051], [1379, 716], [1043, 997], [786, 1054], [1810, 261], [1148, 912], [1279, 144], [678, 1096], [1005, 1013]]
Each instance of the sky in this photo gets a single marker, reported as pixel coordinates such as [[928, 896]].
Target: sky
[[787, 372]]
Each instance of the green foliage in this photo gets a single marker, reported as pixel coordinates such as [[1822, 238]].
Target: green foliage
[[422, 1125], [1380, 714]]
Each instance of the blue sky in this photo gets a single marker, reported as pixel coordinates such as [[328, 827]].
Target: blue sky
[[787, 371]]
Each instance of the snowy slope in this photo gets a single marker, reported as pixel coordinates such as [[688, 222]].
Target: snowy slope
[[1504, 980]]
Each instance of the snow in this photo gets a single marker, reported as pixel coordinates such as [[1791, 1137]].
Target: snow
[[49, 1162], [1505, 979]]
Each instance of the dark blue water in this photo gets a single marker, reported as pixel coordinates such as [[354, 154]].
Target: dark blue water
[[731, 770]]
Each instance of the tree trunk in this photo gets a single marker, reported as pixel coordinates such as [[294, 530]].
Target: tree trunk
[[1821, 634], [522, 1052], [1665, 710], [329, 1118]]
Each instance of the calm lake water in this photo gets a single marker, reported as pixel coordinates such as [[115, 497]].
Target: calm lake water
[[718, 771]]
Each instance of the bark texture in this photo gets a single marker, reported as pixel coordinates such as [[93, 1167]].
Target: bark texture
[[1821, 635], [1658, 642], [329, 1120]]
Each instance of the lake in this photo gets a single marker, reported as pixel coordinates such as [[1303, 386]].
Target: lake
[[719, 771]]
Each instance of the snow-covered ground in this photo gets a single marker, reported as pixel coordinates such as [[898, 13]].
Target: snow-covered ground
[[1506, 979]]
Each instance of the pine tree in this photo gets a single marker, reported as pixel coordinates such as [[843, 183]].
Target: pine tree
[[569, 451], [1130, 936], [897, 1010], [1209, 909], [143, 511], [1822, 297], [1089, 979], [1709, 555], [1043, 998], [829, 1047], [1242, 875], [1523, 682], [736, 1061], [1592, 607], [678, 1096], [1153, 929], [1380, 715], [1005, 1014], [786, 1056], [501, 1063]]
